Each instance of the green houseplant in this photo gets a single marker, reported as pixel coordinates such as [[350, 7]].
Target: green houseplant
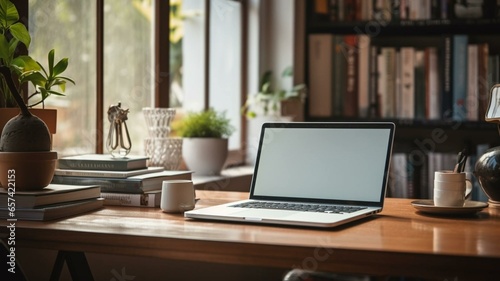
[[22, 69], [25, 143], [205, 141], [267, 102]]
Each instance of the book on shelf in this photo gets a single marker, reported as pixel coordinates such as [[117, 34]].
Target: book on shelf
[[407, 104], [419, 85], [432, 83], [106, 174], [363, 75], [134, 184], [52, 194], [102, 162], [472, 101], [147, 199], [351, 99], [51, 212], [459, 76], [482, 79], [320, 74]]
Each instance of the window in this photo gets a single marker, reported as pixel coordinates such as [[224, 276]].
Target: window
[[206, 65]]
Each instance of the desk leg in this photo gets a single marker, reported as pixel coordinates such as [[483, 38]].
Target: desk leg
[[77, 265]]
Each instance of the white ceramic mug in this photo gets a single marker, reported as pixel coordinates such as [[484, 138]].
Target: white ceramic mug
[[451, 189], [177, 196]]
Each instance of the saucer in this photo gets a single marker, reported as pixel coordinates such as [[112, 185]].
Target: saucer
[[469, 207]]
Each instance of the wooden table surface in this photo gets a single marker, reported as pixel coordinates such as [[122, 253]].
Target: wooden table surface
[[398, 241]]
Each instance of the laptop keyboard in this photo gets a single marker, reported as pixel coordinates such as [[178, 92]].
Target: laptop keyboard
[[318, 208]]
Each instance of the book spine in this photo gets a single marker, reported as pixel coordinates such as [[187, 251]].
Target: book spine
[[419, 88], [339, 75], [106, 184], [91, 165], [351, 94], [363, 78], [97, 174], [320, 69], [407, 82], [482, 80], [432, 83], [472, 83], [446, 93], [459, 76], [135, 200]]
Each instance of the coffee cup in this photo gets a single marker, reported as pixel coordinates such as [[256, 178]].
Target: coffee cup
[[451, 189], [177, 196]]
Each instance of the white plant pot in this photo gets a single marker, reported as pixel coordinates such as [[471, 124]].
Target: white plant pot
[[253, 137], [205, 156]]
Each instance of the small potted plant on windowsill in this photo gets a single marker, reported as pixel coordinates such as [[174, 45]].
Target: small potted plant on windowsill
[[205, 141], [25, 142]]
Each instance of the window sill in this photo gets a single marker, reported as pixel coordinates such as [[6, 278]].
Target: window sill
[[231, 179]]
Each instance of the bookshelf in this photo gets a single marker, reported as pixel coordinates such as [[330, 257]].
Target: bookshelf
[[415, 66]]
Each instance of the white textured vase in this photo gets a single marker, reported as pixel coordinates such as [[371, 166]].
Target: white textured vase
[[205, 156]]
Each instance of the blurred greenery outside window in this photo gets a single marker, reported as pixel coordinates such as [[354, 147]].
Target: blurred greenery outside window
[[70, 28]]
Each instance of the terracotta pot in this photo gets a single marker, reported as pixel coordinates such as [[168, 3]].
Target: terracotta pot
[[27, 170], [49, 116]]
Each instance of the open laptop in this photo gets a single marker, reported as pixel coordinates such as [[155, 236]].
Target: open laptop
[[314, 174]]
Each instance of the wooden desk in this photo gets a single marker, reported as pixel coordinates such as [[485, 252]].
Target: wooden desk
[[399, 241]]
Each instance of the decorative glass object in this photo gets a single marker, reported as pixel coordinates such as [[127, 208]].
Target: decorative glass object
[[118, 142], [158, 121], [164, 152]]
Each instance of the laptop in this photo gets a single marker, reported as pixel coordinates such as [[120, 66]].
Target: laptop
[[314, 174]]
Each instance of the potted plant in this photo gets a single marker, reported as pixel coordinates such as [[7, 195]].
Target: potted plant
[[25, 70], [25, 142], [267, 105], [205, 141], [268, 101]]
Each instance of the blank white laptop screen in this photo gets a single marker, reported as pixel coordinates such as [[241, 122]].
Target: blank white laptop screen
[[330, 163], [324, 163]]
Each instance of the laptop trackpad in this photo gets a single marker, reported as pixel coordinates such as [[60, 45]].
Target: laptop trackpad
[[262, 214]]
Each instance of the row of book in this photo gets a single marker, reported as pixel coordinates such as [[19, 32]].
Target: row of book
[[350, 77], [398, 10], [87, 182], [412, 174]]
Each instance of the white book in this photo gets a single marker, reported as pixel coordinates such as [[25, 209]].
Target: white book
[[432, 73], [149, 199], [320, 75], [106, 174]]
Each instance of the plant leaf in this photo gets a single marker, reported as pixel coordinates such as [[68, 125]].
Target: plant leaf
[[60, 67], [34, 77], [287, 72], [19, 31], [26, 63], [8, 14], [4, 48], [51, 62]]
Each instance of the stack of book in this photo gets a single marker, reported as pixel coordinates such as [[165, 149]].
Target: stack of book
[[124, 181], [53, 202]]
